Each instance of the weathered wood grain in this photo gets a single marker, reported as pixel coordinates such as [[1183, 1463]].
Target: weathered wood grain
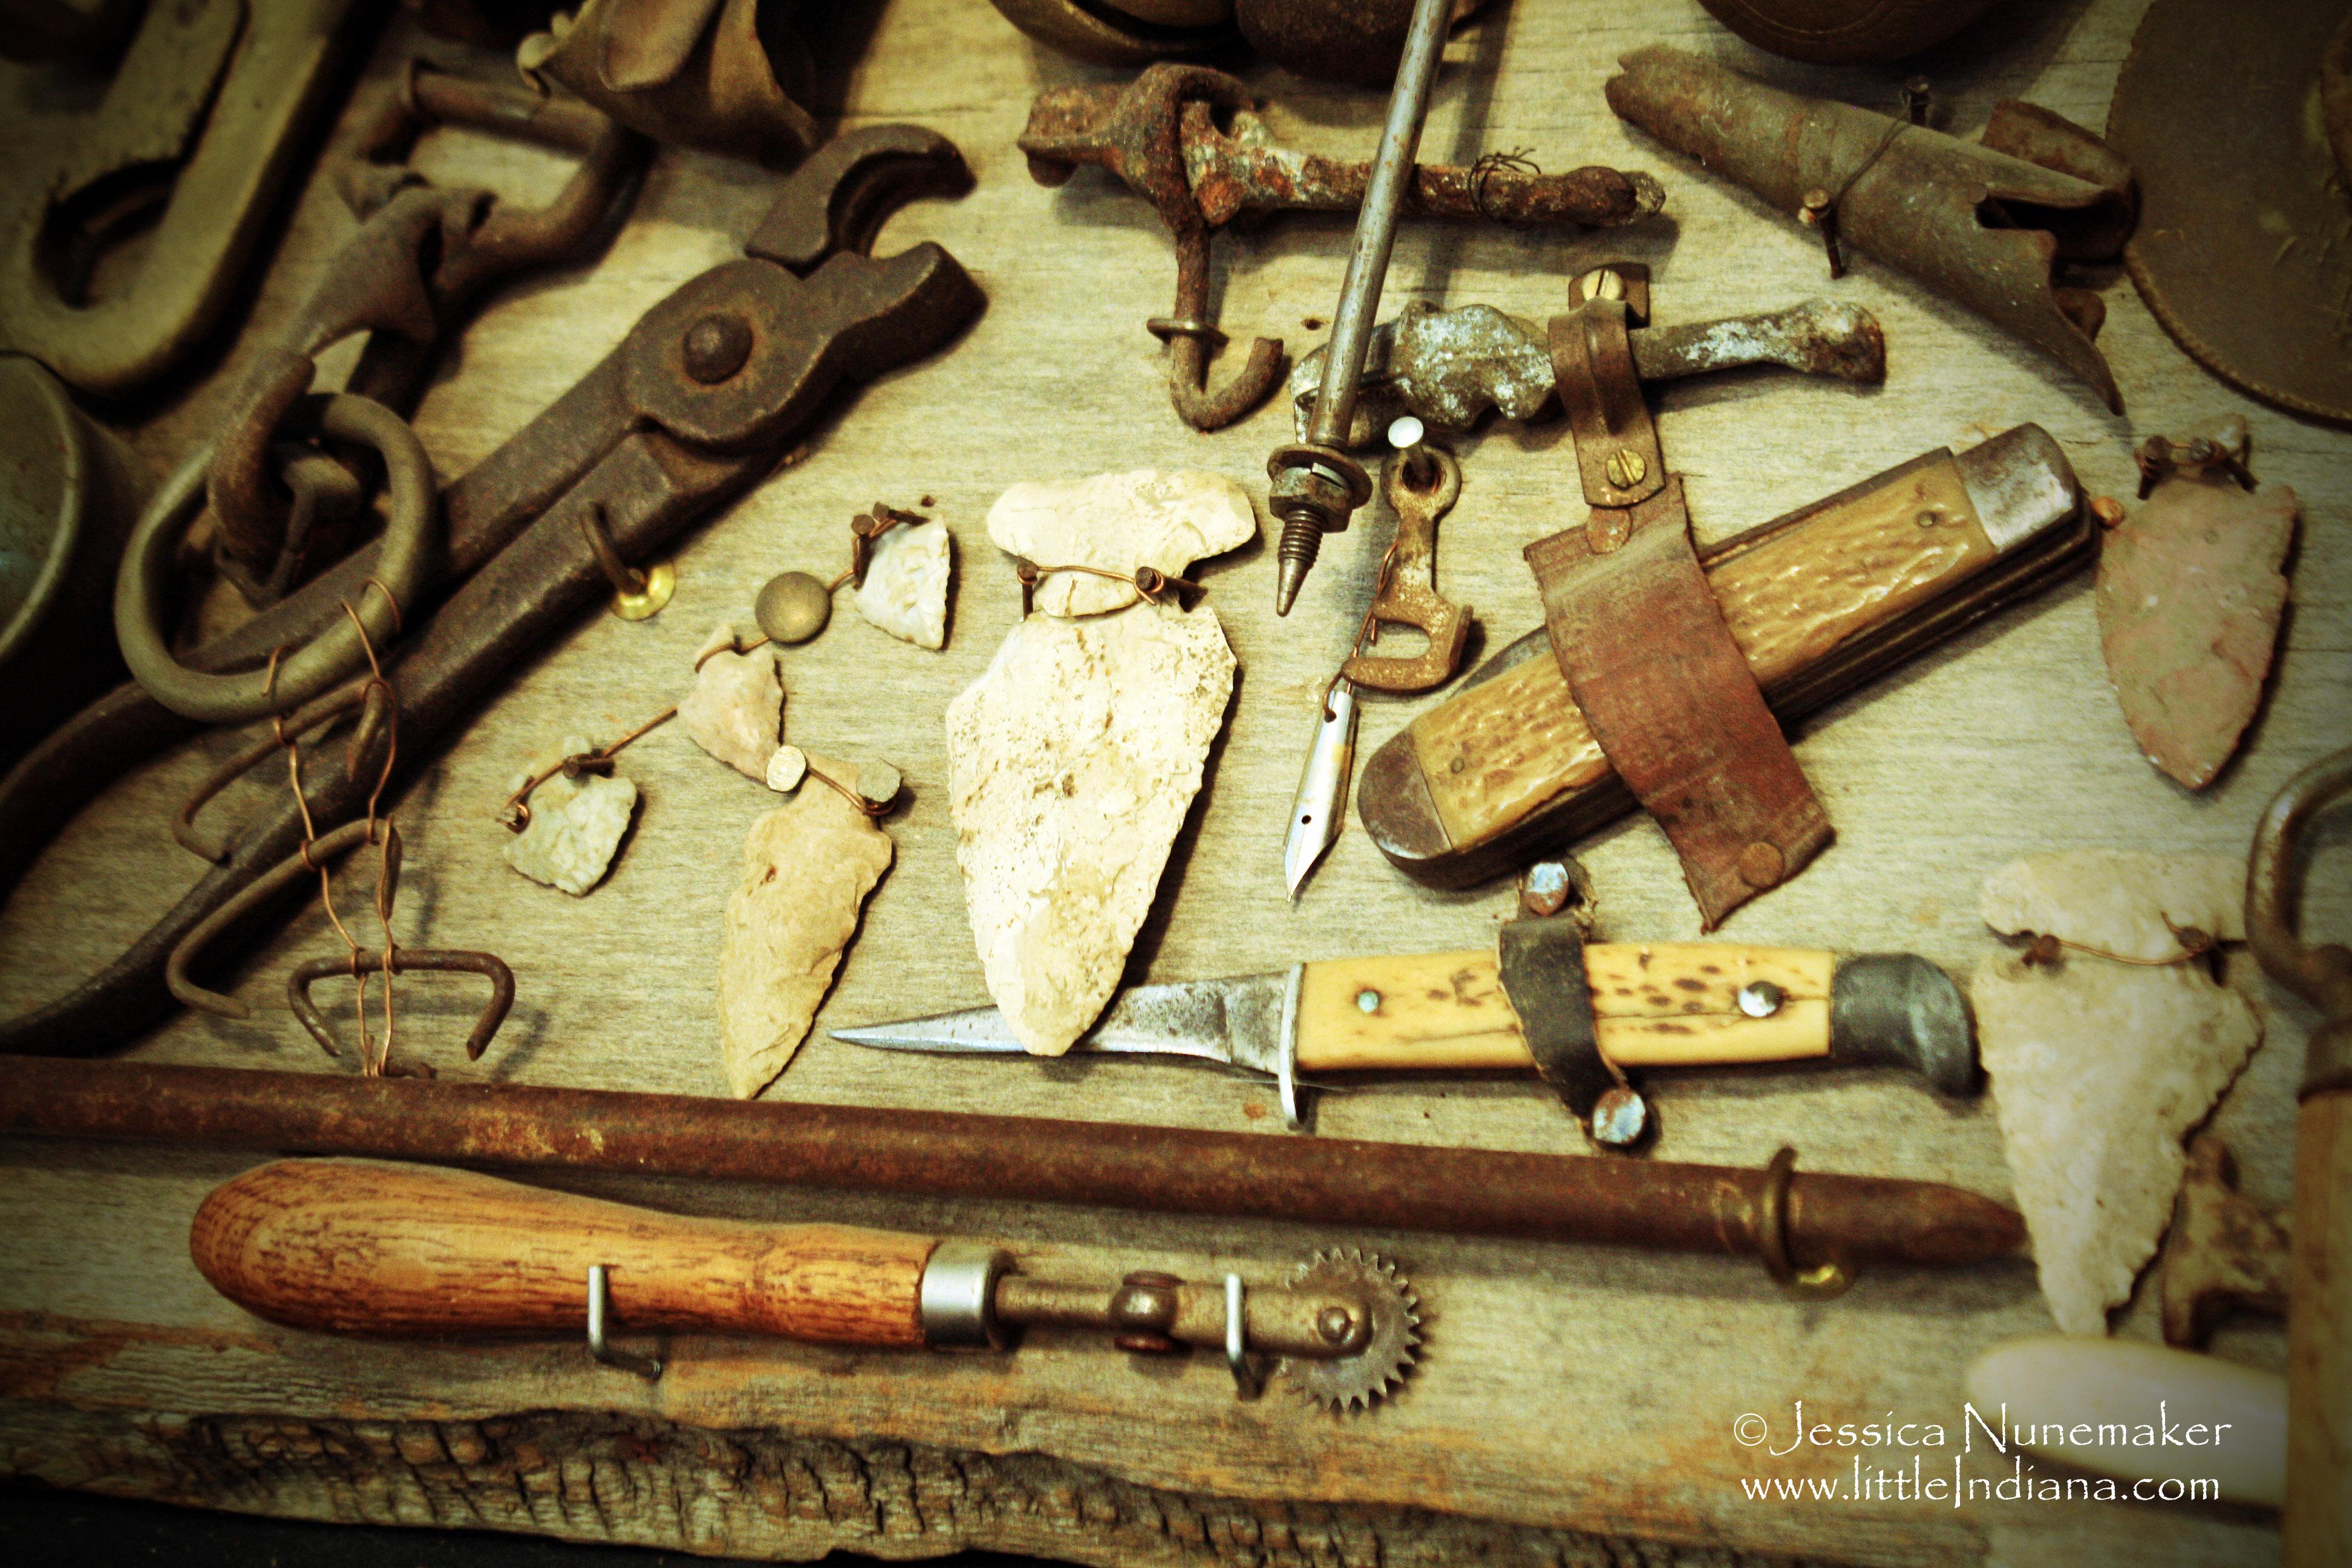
[[1571, 1399]]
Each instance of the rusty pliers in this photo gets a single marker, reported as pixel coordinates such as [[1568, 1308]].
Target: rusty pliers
[[687, 413]]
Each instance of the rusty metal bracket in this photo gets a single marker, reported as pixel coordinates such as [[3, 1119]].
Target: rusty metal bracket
[[692, 73], [1407, 594], [404, 960], [1161, 134], [1449, 367], [2320, 976], [207, 117]]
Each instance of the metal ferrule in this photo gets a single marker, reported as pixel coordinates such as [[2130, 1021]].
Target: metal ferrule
[[1897, 1009], [2021, 483], [958, 1297]]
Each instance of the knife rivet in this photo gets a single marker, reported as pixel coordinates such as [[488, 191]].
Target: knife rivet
[[1368, 1000], [1759, 998]]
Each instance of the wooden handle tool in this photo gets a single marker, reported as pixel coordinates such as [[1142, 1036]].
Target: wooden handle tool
[[1659, 1005], [368, 1247], [374, 1247], [1651, 1005]]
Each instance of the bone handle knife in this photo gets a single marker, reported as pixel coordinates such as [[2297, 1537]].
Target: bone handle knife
[[1655, 1005]]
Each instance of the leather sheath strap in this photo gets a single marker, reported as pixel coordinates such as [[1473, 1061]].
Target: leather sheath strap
[[1541, 958], [1642, 642]]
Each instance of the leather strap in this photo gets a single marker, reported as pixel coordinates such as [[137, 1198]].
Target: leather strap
[[1541, 958], [1644, 649]]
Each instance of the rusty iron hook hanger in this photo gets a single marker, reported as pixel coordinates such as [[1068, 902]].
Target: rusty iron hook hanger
[[655, 435], [422, 256]]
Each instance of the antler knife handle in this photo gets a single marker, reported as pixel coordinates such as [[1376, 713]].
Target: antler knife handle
[[369, 1246], [1654, 1005], [1818, 602]]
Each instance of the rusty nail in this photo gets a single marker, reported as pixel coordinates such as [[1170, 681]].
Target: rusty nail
[[1620, 1118], [1821, 213]]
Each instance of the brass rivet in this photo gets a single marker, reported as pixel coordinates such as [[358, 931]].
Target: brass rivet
[[1761, 866], [1368, 1000], [660, 582], [1457, 765], [1601, 283], [1759, 998], [793, 608], [1627, 469], [1928, 519]]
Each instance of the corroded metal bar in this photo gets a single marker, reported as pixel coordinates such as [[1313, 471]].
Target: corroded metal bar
[[1329, 1181]]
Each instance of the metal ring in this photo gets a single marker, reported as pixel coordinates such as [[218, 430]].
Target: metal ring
[[1818, 1283], [410, 552]]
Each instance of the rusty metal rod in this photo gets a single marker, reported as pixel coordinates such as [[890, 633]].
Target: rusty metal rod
[[1329, 1181]]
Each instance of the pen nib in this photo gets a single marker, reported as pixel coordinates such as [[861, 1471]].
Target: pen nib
[[1316, 814]]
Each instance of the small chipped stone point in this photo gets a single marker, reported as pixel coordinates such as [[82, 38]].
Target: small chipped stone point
[[906, 587], [576, 826], [736, 710]]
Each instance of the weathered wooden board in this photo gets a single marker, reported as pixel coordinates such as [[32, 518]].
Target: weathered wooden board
[[1570, 1398]]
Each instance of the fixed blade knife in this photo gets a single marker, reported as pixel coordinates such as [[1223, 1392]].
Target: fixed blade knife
[[1654, 1005]]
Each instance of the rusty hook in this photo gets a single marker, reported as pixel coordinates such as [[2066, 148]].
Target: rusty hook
[[2320, 976], [1190, 341], [405, 959]]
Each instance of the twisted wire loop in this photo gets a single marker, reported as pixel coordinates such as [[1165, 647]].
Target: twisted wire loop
[[377, 702], [1517, 161], [1149, 582], [380, 711]]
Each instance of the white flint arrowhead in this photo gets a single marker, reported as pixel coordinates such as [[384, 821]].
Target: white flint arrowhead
[[1116, 522], [906, 587]]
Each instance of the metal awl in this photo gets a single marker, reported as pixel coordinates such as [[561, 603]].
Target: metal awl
[[1316, 485]]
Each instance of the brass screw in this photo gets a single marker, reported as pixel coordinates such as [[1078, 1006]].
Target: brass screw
[[1927, 519], [1333, 1323], [1627, 469], [1601, 283]]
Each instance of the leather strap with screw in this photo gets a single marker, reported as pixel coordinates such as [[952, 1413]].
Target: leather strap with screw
[[1642, 643], [1541, 959]]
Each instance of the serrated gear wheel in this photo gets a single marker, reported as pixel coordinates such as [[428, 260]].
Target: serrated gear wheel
[[1356, 1382]]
